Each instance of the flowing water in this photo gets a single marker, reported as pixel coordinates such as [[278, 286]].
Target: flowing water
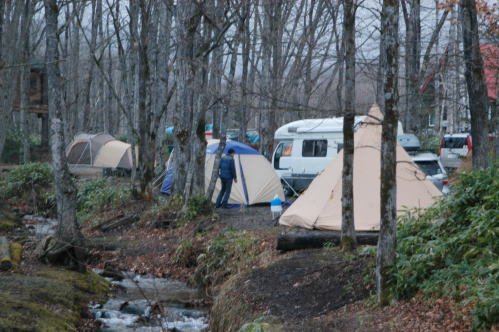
[[146, 303], [140, 303]]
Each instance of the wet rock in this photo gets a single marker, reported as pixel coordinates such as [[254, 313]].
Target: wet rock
[[112, 273]]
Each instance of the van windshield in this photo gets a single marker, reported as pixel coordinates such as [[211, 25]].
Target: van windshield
[[429, 167], [454, 142]]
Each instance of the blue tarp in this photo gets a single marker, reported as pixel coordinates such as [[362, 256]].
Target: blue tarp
[[239, 148], [166, 186]]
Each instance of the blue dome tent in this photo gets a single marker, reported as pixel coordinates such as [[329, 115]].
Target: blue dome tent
[[257, 180]]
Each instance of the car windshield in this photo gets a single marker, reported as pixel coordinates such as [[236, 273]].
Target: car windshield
[[429, 167], [454, 142]]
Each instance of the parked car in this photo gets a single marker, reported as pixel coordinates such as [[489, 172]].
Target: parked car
[[430, 164], [409, 142], [453, 148]]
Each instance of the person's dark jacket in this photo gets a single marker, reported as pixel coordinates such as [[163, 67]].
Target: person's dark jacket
[[227, 169]]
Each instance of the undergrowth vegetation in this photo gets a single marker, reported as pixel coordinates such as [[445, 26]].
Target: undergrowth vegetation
[[452, 249], [100, 193], [32, 183], [226, 254]]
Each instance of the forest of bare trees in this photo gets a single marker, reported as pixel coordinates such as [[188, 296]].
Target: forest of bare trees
[[133, 68]]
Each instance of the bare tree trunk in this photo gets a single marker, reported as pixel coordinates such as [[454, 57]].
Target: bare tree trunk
[[245, 39], [475, 82], [85, 121], [413, 119], [216, 74], [67, 245], [187, 24], [146, 144], [228, 103], [8, 74], [388, 212], [267, 115], [163, 48], [75, 72], [348, 236], [25, 79]]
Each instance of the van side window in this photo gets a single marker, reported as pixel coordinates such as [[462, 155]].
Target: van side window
[[314, 148], [284, 149]]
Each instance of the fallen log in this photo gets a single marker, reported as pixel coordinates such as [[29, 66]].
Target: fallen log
[[5, 259], [107, 222], [119, 223], [317, 239]]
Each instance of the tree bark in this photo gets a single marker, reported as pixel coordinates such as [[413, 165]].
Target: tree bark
[[388, 204], [147, 140], [348, 236], [68, 245], [187, 18], [8, 75], [475, 82], [267, 115], [413, 119], [85, 121], [25, 79]]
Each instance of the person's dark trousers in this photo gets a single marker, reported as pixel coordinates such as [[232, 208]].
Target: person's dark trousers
[[224, 194]]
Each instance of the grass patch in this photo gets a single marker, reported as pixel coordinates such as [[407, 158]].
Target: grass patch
[[30, 183], [49, 300], [452, 249], [228, 253], [98, 194], [6, 225]]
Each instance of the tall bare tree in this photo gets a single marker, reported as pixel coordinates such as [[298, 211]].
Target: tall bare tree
[[24, 86], [348, 236], [477, 91], [67, 245], [385, 257], [9, 27], [188, 19]]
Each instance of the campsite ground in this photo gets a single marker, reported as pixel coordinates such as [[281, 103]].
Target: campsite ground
[[230, 256], [308, 290]]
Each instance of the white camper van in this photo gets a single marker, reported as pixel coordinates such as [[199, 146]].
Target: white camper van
[[305, 147]]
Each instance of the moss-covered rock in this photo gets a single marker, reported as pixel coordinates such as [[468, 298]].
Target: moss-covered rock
[[6, 224], [48, 300]]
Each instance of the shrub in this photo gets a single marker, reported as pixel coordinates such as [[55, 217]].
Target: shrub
[[12, 150], [452, 249], [196, 206], [185, 254], [430, 143], [226, 254], [31, 182], [100, 193], [25, 178]]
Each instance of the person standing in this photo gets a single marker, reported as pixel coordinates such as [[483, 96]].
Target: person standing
[[227, 174]]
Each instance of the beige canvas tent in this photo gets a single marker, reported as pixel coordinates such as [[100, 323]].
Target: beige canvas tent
[[84, 148], [319, 206], [114, 154]]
